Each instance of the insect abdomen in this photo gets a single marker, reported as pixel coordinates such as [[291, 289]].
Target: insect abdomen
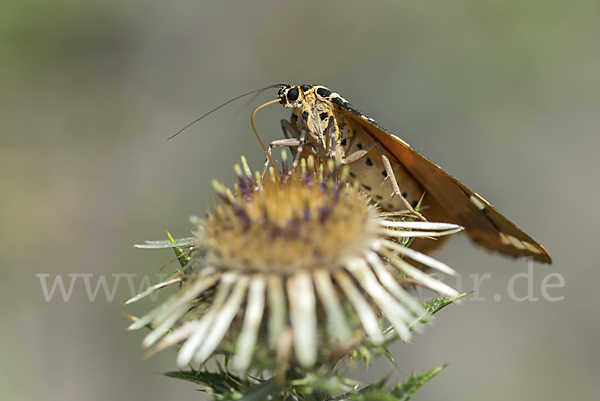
[[370, 173]]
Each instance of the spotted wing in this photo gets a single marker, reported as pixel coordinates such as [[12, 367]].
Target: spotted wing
[[483, 223]]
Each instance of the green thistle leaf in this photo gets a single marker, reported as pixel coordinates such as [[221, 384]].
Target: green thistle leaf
[[220, 384], [406, 390]]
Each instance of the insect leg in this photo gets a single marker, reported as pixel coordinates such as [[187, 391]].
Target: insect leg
[[351, 158], [331, 135], [388, 169], [290, 133], [295, 142], [288, 129]]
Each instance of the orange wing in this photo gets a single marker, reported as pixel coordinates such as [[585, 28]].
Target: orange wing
[[483, 223]]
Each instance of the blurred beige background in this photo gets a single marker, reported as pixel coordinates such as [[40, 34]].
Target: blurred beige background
[[504, 95]]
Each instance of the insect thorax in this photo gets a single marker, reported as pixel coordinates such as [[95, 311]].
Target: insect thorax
[[316, 119]]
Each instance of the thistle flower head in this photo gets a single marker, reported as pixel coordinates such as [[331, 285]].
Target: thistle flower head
[[288, 223], [295, 269]]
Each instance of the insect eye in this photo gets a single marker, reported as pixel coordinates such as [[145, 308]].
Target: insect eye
[[293, 94]]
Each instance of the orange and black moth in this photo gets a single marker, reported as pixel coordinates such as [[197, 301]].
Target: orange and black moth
[[326, 125]]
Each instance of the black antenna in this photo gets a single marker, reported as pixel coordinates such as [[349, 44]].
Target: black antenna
[[224, 104]]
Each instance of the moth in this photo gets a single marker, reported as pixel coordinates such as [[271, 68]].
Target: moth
[[326, 125]]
